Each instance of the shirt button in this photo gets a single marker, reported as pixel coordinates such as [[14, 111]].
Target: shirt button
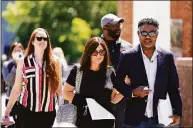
[[145, 100]]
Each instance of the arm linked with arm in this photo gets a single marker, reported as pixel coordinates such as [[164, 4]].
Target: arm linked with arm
[[115, 95], [121, 72]]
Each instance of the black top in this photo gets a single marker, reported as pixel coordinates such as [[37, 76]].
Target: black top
[[93, 86]]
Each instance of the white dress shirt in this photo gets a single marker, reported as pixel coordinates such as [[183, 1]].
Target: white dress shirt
[[151, 69]]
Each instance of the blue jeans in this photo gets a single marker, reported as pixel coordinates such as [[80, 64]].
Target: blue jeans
[[150, 123]]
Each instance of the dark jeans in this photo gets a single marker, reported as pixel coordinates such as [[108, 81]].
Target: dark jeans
[[149, 123]]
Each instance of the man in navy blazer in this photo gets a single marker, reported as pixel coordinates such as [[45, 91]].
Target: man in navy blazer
[[151, 74]]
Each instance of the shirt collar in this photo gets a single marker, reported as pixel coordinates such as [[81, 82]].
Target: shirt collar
[[155, 53]]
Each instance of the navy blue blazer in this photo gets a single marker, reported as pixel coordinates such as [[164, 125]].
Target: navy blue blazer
[[131, 64]]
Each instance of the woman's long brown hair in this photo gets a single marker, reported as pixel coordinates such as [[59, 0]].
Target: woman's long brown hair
[[90, 47], [52, 67]]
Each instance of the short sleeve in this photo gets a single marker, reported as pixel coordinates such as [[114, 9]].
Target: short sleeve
[[72, 76]]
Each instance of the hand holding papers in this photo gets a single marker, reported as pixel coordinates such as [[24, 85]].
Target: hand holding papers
[[97, 112]]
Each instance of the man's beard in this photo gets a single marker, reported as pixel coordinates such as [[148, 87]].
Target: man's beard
[[114, 34]]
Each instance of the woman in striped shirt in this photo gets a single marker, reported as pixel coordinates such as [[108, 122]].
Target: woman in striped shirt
[[38, 79]]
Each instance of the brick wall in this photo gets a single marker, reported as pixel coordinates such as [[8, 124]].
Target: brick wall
[[183, 10], [184, 68], [125, 9]]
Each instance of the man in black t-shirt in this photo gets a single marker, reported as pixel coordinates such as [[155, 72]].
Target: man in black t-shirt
[[112, 26]]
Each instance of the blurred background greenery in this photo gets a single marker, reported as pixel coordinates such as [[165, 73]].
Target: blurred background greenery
[[69, 23]]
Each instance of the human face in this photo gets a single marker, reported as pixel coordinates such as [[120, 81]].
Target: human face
[[40, 40], [17, 49], [17, 53], [97, 56], [114, 30], [147, 36]]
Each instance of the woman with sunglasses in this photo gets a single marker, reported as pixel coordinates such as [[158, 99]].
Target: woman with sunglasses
[[38, 79], [94, 64]]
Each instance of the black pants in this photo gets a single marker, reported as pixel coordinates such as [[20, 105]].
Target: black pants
[[87, 122], [31, 119], [14, 113], [119, 113]]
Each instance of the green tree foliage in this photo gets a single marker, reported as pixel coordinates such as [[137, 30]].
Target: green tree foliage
[[69, 23]]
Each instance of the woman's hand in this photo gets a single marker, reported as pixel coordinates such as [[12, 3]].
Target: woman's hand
[[127, 80], [116, 96]]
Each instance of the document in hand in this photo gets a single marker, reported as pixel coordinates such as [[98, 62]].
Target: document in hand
[[7, 121], [164, 111], [97, 112]]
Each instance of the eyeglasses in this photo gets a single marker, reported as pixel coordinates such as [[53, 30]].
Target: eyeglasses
[[101, 53], [40, 38], [151, 34], [114, 25]]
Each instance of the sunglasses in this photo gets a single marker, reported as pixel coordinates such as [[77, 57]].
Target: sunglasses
[[40, 38], [114, 25], [151, 34], [101, 53]]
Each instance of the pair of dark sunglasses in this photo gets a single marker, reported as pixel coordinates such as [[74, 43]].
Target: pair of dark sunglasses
[[117, 25], [151, 34], [40, 38], [101, 53]]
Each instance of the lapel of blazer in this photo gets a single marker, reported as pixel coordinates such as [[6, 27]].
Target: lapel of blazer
[[159, 69], [140, 65], [157, 81]]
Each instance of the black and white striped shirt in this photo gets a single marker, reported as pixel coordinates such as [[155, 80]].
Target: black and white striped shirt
[[36, 95]]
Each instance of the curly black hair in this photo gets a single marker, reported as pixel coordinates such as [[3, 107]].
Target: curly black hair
[[149, 21]]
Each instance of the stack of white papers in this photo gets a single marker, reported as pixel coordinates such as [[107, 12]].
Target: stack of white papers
[[164, 111], [97, 112]]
